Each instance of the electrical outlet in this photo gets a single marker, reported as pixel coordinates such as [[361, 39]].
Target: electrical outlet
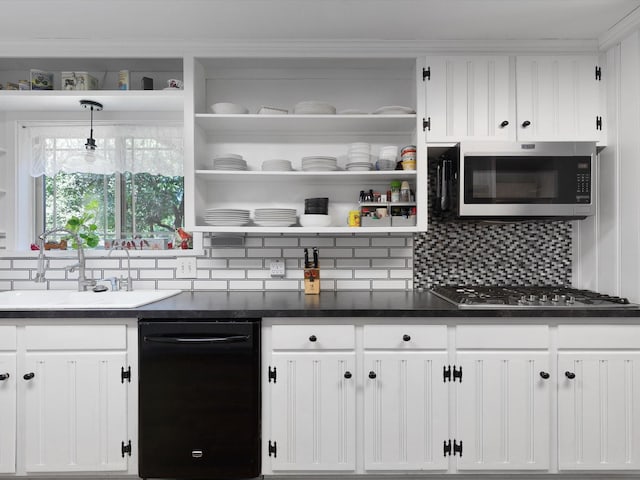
[[277, 268], [186, 267]]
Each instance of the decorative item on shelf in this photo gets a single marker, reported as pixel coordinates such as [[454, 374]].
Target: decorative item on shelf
[[146, 83], [78, 81], [12, 86], [61, 245], [137, 243], [123, 80], [354, 218], [24, 85], [311, 273], [90, 146], [41, 80], [174, 83]]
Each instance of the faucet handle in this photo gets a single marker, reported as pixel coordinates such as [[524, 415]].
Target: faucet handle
[[115, 283]]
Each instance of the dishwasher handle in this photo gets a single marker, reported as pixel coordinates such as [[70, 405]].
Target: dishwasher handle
[[204, 339]]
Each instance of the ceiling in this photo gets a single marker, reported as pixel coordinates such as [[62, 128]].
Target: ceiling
[[380, 20]]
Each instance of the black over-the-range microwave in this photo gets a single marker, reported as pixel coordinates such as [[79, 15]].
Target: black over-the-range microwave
[[517, 180]]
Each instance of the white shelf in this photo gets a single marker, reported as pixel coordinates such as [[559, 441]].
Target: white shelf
[[253, 123], [113, 100], [337, 176], [303, 230]]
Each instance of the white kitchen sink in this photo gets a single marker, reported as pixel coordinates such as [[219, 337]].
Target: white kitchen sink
[[68, 299]]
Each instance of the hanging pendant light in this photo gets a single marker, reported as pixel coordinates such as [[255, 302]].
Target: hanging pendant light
[[90, 146]]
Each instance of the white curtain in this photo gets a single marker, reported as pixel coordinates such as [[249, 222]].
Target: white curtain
[[157, 150]]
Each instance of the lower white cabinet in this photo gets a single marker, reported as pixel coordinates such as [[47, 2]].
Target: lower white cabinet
[[599, 397], [71, 384]]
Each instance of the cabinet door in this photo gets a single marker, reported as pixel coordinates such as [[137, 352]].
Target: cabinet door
[[313, 411], [406, 411], [468, 98], [503, 411], [558, 97], [75, 410], [599, 411], [8, 413]]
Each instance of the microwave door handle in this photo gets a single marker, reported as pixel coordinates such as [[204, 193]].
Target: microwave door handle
[[445, 187], [439, 183], [196, 340]]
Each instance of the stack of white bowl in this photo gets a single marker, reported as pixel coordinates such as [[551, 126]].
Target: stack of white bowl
[[387, 157], [313, 107], [276, 165], [359, 157], [227, 108], [229, 161]]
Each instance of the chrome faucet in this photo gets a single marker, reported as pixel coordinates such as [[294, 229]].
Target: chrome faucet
[[116, 284], [83, 281]]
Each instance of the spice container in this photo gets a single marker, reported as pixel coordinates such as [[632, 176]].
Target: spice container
[[405, 192], [395, 190]]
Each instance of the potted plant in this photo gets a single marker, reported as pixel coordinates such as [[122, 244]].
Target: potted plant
[[84, 226]]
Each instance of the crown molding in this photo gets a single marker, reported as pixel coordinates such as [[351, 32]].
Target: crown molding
[[620, 30], [160, 48]]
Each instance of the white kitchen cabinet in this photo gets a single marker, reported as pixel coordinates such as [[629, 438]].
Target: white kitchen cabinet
[[71, 382], [558, 98], [503, 402], [356, 87], [599, 397], [7, 399], [469, 98], [312, 399], [405, 399]]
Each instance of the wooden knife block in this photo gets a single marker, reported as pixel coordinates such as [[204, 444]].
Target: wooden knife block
[[311, 281]]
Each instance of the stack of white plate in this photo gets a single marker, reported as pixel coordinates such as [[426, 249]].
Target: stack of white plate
[[319, 164], [312, 107], [276, 165], [359, 157], [226, 217], [229, 161], [394, 110], [275, 217]]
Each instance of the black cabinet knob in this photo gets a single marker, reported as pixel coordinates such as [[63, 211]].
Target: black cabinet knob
[[570, 375], [504, 124], [4, 376], [313, 338], [372, 375], [29, 376], [544, 375], [347, 375], [406, 337], [526, 123]]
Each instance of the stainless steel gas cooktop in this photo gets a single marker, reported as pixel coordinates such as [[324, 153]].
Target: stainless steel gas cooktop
[[528, 297]]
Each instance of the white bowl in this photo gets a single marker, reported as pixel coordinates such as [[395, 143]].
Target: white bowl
[[227, 108], [315, 220]]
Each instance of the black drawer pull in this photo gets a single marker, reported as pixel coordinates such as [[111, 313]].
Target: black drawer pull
[[504, 124], [406, 337], [4, 376], [544, 375], [29, 376], [526, 123], [372, 374], [313, 338], [570, 375], [347, 375]]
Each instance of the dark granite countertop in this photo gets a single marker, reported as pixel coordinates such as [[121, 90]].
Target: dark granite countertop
[[237, 305]]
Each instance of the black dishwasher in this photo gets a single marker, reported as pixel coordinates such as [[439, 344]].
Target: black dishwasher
[[199, 388]]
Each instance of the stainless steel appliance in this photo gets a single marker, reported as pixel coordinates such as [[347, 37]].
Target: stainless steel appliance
[[507, 180], [199, 386], [528, 297]]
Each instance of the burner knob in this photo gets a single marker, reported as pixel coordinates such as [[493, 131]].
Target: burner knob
[[571, 300], [523, 299], [555, 298], [532, 298], [544, 298]]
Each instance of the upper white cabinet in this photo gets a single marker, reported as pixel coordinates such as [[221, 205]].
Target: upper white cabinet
[[523, 98], [7, 399], [468, 98], [599, 397], [107, 71], [355, 87], [558, 98]]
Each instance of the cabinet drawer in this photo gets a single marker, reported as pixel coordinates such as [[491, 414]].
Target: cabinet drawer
[[7, 337], [502, 336], [313, 337], [599, 336], [76, 337], [405, 336]]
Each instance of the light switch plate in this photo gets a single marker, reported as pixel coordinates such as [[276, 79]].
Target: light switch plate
[[277, 268], [186, 267]]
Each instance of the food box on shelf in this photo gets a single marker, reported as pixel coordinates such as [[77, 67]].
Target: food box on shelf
[[41, 80], [78, 81]]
